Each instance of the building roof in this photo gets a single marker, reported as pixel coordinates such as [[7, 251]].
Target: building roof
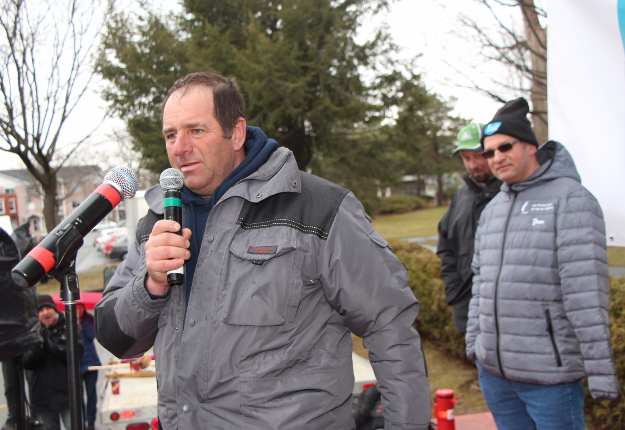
[[69, 172], [10, 180]]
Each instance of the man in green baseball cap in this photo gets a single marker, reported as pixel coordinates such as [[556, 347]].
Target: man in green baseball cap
[[456, 229]]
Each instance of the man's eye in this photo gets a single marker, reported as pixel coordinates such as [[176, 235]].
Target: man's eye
[[197, 130], [170, 136]]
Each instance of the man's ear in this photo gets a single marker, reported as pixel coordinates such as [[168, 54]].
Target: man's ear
[[531, 149], [239, 132]]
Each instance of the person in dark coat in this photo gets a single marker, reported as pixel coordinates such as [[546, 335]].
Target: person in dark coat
[[456, 230], [89, 358], [49, 385], [9, 394]]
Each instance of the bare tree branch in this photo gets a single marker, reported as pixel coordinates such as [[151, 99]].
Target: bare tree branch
[[46, 67], [519, 43]]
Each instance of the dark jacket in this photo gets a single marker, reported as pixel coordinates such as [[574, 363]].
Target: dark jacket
[[49, 387], [456, 232], [90, 355], [539, 312]]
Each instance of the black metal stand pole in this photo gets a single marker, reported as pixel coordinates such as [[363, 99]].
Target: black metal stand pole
[[20, 394], [69, 294]]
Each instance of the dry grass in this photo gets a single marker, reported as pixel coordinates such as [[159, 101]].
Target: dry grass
[[446, 372], [419, 223], [616, 256], [92, 281]]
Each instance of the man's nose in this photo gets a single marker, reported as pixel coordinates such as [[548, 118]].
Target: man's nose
[[182, 144], [499, 156], [472, 164]]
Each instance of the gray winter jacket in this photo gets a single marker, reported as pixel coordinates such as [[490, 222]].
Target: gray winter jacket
[[539, 312], [289, 265]]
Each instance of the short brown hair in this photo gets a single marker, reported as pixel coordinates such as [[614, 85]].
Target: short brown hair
[[228, 104]]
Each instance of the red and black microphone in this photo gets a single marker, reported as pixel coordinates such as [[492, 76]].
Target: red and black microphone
[[119, 184]]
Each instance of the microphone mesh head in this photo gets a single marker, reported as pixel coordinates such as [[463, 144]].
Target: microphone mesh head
[[171, 179], [124, 179]]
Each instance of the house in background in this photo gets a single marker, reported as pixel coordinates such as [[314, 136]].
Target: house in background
[[21, 196], [12, 190], [425, 186]]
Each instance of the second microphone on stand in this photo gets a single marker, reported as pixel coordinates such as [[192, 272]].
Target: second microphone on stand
[[171, 181]]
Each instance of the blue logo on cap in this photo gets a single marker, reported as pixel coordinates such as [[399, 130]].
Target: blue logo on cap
[[492, 128]]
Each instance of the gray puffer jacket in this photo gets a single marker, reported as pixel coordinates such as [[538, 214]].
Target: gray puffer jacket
[[289, 266], [539, 312]]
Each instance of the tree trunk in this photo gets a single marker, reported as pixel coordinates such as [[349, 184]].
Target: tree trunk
[[49, 203], [440, 197], [537, 42]]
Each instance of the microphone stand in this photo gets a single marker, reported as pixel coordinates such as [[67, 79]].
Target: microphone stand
[[66, 275], [20, 394]]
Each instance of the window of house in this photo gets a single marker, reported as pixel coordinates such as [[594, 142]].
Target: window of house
[[75, 204], [9, 191], [12, 206], [2, 207]]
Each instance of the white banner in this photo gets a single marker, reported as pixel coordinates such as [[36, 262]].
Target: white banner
[[586, 80]]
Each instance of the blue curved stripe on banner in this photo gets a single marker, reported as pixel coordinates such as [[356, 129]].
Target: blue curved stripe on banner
[[620, 8]]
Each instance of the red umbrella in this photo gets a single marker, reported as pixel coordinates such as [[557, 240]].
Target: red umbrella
[[88, 298]]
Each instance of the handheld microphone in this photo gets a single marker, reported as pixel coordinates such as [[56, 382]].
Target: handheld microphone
[[171, 181], [119, 184]]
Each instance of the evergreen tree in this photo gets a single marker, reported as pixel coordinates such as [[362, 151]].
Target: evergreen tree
[[296, 61], [425, 131]]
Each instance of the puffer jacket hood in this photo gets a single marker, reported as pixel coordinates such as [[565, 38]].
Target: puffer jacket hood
[[555, 162]]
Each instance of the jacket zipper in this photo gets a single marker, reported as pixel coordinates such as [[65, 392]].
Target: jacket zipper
[[503, 243], [552, 337]]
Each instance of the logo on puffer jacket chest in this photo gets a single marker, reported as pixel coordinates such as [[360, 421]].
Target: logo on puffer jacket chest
[[263, 249], [537, 207]]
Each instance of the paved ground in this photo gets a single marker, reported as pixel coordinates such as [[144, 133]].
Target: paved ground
[[483, 421], [619, 272], [423, 241]]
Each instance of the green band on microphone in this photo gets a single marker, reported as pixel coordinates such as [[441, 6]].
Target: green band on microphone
[[172, 201]]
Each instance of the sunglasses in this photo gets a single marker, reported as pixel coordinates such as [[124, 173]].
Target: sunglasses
[[502, 148]]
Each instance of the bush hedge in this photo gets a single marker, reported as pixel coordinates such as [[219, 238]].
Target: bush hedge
[[399, 204], [435, 324]]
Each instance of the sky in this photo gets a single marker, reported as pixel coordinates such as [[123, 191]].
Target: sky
[[431, 28], [423, 27]]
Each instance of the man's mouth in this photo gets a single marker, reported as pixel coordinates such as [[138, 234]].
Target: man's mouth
[[185, 167]]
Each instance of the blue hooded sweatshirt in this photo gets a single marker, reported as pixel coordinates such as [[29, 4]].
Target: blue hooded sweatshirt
[[258, 149]]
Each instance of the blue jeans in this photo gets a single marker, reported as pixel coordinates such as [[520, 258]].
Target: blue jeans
[[90, 380], [521, 406]]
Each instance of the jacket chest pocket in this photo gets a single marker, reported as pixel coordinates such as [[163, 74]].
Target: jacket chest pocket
[[262, 281]]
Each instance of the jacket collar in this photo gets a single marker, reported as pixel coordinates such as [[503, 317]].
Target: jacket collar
[[555, 162], [278, 175], [492, 183]]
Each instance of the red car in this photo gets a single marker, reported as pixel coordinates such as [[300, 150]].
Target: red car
[[110, 242]]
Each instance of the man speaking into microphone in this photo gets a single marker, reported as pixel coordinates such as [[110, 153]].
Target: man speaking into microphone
[[279, 267]]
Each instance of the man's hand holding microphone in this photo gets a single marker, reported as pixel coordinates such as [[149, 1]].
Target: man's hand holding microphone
[[167, 249]]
